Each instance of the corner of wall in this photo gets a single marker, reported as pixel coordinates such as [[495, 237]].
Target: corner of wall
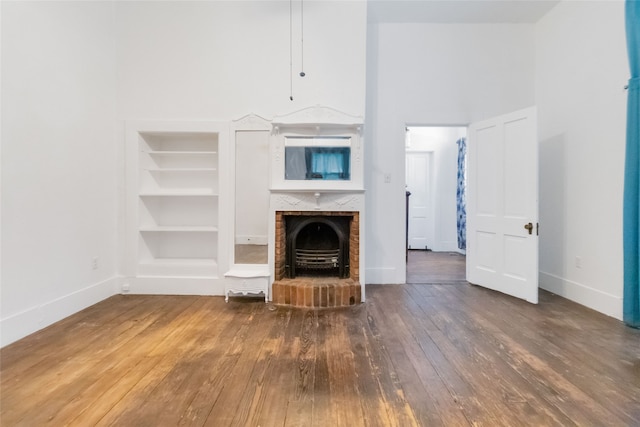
[[605, 303], [20, 325]]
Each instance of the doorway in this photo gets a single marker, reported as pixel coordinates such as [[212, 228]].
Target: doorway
[[431, 160]]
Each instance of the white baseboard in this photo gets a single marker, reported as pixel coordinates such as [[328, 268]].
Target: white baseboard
[[172, 285], [389, 275], [603, 302], [20, 325]]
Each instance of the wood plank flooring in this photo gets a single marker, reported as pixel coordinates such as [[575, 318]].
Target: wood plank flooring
[[412, 355], [435, 267]]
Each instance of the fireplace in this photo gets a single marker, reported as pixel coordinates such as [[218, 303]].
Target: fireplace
[[317, 259], [317, 245], [317, 204]]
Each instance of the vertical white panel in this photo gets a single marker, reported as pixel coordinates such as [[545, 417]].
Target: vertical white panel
[[486, 247], [515, 260], [516, 154], [486, 171]]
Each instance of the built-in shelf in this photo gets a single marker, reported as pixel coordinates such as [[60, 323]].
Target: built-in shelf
[[177, 194]]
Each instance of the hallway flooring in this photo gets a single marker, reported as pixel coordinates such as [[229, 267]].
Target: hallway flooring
[[435, 267]]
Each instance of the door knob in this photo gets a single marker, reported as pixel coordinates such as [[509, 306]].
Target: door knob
[[529, 227]]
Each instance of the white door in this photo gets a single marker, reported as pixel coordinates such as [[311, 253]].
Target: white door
[[418, 179], [502, 204]]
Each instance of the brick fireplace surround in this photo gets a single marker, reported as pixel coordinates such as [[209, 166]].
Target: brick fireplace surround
[[317, 292]]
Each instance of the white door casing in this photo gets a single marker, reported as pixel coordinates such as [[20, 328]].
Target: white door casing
[[419, 183], [502, 200]]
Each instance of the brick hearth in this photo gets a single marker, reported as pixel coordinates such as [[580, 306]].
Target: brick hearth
[[311, 291], [316, 292]]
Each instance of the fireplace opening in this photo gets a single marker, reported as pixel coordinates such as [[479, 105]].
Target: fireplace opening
[[317, 246]]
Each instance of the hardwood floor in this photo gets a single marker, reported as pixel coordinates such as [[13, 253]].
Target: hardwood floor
[[429, 355], [435, 267]]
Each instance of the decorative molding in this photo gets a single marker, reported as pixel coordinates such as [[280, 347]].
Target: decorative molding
[[318, 201], [251, 122], [318, 114], [283, 201], [348, 202], [278, 152]]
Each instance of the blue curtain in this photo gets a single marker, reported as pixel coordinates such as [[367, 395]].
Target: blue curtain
[[631, 218], [461, 200], [327, 163]]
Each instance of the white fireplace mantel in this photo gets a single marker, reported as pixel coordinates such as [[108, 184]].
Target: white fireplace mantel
[[317, 195], [317, 200]]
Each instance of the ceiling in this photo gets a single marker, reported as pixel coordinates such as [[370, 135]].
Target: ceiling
[[458, 11]]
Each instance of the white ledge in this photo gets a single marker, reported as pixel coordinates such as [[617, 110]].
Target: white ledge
[[317, 190], [248, 270]]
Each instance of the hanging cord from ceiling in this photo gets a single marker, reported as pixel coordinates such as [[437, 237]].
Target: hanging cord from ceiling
[[291, 50], [302, 73]]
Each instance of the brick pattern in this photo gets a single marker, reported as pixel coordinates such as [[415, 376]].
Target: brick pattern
[[317, 292], [354, 248], [280, 244]]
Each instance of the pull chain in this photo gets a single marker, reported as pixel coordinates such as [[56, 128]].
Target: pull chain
[[302, 73], [291, 50]]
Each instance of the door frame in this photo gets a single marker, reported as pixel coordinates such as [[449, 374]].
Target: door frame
[[439, 243]]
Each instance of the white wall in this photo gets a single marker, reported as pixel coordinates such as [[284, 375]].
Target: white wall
[[220, 60], [441, 141], [73, 72], [58, 162], [581, 68], [431, 74]]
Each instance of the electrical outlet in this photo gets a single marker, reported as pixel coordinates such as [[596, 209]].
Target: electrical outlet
[[94, 263], [578, 262], [125, 288], [387, 178]]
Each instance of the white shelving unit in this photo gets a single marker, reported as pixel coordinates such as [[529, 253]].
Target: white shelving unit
[[174, 205]]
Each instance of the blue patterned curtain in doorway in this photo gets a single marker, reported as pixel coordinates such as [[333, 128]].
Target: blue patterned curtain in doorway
[[631, 297], [461, 200]]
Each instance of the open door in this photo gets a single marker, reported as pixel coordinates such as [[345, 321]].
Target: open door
[[502, 204]]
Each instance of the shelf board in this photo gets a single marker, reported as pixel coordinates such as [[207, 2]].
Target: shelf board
[[177, 267], [209, 262], [178, 193], [171, 153], [180, 169], [179, 228]]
